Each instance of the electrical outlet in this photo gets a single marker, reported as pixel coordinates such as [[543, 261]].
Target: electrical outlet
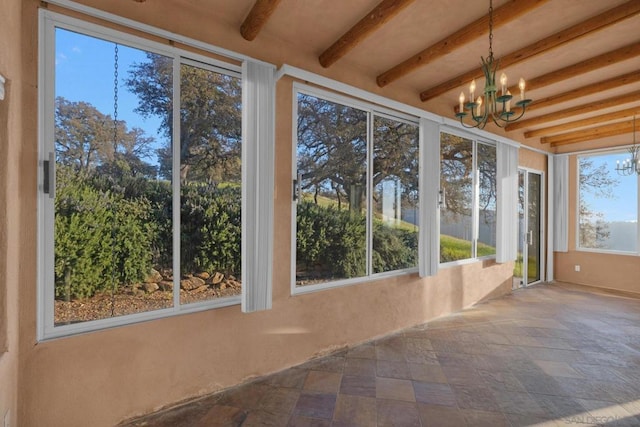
[[577, 267]]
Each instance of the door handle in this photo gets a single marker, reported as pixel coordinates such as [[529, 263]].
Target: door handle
[[530, 237], [49, 182]]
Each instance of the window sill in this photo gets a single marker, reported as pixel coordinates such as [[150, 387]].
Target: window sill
[[132, 319], [301, 290]]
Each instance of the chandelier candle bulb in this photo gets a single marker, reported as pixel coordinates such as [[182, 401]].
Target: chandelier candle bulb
[[507, 106], [479, 107], [461, 99], [472, 90], [503, 82], [521, 85]]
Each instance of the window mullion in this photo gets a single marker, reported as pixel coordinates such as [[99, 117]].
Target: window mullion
[[175, 181], [476, 202], [638, 214], [369, 233]]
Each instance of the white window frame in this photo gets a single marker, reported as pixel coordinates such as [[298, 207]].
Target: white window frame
[[48, 22], [372, 110], [475, 197], [577, 209]]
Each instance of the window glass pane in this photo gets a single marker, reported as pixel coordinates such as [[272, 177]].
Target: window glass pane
[[210, 184], [332, 170], [395, 195], [487, 198], [456, 180], [608, 204], [112, 235]]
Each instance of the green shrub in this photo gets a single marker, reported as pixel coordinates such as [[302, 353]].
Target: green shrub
[[211, 229], [102, 240], [331, 243], [393, 249]]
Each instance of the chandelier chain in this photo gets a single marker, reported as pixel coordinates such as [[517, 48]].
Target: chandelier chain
[[115, 94], [490, 28]]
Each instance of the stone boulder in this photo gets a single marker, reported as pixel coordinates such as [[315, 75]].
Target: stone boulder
[[191, 283], [165, 285], [202, 275], [153, 277], [150, 287]]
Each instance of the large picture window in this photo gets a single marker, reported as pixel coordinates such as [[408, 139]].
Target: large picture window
[[468, 186], [607, 204], [357, 192], [142, 182]]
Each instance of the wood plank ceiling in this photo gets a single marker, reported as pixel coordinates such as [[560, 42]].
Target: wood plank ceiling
[[581, 58]]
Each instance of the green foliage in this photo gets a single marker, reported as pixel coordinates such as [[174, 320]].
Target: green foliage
[[453, 249], [101, 238], [211, 229], [331, 243], [111, 233], [393, 248]]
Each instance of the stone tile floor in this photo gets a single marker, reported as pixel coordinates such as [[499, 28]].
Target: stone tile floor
[[549, 355]]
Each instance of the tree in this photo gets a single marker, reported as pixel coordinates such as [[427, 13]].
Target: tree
[[594, 230], [456, 169], [332, 150], [89, 140], [82, 134], [210, 118]]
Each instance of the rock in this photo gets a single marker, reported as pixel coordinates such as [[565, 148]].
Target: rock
[[137, 289], [153, 277], [151, 287], [166, 285], [200, 289], [167, 273], [186, 284], [202, 275], [191, 283], [216, 278], [223, 285], [197, 282], [234, 283]]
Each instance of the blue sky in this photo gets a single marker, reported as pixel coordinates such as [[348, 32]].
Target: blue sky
[[85, 72], [624, 205]]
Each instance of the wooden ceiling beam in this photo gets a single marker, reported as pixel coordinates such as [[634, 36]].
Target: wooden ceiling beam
[[577, 110], [373, 20], [552, 130], [591, 89], [589, 134], [257, 17], [508, 12], [591, 64], [570, 34]]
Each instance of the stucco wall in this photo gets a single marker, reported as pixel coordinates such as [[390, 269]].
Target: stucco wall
[[103, 377], [12, 131], [610, 271]]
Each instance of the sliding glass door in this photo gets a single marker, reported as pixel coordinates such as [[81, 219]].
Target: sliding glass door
[[528, 269]]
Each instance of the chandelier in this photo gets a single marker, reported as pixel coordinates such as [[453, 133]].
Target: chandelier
[[493, 106], [632, 164]]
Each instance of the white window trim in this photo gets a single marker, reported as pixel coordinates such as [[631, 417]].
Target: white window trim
[[476, 195], [579, 248], [48, 22], [372, 110]]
